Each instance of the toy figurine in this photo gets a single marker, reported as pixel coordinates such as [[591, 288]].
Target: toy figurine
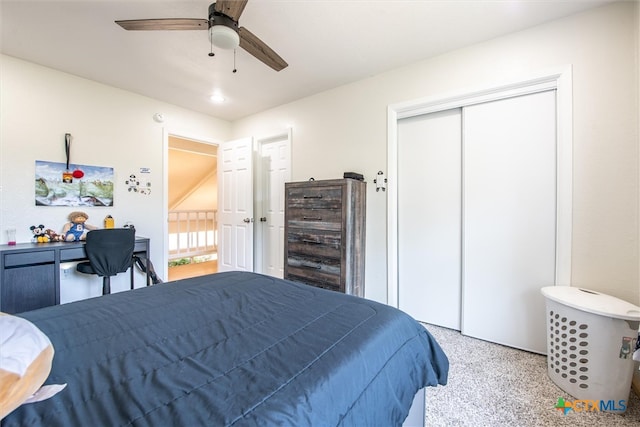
[[39, 233], [77, 228], [53, 236], [42, 235]]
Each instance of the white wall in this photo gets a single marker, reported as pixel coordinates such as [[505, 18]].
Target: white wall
[[345, 130], [110, 127]]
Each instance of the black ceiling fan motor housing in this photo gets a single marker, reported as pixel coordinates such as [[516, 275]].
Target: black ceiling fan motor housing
[[218, 18]]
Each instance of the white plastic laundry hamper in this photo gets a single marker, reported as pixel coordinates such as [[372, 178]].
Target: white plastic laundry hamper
[[590, 343]]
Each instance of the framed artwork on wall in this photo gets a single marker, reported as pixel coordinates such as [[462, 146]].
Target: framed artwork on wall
[[58, 185]]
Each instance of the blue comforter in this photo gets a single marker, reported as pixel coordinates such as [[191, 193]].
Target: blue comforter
[[232, 349]]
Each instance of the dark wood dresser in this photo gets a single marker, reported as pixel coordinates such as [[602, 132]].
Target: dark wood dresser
[[325, 234]]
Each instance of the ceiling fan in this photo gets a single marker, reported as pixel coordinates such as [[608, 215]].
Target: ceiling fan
[[223, 30]]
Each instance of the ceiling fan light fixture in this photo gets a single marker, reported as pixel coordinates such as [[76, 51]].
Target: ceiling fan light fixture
[[224, 32], [224, 37], [217, 98]]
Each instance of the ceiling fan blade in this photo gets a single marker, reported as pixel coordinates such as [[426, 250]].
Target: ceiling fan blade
[[257, 48], [232, 8], [164, 24]]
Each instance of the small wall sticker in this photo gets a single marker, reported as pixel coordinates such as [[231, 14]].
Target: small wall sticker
[[138, 185]]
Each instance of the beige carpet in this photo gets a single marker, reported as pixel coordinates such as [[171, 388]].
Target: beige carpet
[[493, 385]]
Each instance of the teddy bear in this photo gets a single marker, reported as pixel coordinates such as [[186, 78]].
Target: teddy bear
[[53, 236], [77, 228], [39, 234]]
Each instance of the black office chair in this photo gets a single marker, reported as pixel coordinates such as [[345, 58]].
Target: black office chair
[[110, 251]]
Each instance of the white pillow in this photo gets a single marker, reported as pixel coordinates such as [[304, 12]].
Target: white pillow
[[25, 361]]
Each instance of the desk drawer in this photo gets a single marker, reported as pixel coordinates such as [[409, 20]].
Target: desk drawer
[[72, 254], [78, 253], [28, 258], [140, 247]]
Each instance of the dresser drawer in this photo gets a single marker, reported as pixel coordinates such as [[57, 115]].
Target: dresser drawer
[[314, 271], [315, 215], [329, 197], [327, 266], [313, 226], [316, 282], [315, 243]]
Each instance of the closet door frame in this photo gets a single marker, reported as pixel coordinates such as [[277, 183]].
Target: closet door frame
[[560, 80]]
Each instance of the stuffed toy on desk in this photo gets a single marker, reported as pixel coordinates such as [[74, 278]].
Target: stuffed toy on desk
[[77, 228], [45, 235]]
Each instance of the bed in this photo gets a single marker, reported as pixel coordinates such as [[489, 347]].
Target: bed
[[232, 349]]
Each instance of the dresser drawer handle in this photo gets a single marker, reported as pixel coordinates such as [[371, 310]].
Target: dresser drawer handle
[[312, 218], [319, 196], [315, 242]]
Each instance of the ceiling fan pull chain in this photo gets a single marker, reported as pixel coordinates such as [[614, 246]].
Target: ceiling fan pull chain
[[234, 61], [224, 32]]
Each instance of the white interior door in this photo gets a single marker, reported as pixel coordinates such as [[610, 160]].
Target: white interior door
[[509, 220], [429, 217], [275, 170], [235, 205]]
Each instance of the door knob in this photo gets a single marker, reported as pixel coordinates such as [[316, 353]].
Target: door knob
[[247, 220], [263, 219]]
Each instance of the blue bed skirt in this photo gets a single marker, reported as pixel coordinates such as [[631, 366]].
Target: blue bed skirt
[[232, 348]]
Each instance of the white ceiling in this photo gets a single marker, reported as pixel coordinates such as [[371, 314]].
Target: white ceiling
[[327, 43]]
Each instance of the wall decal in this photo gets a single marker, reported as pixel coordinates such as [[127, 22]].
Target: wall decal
[[138, 184]]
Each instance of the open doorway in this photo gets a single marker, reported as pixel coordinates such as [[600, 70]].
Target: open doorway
[[192, 205]]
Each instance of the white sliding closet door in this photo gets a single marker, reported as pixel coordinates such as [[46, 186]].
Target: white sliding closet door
[[429, 217], [509, 220]]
